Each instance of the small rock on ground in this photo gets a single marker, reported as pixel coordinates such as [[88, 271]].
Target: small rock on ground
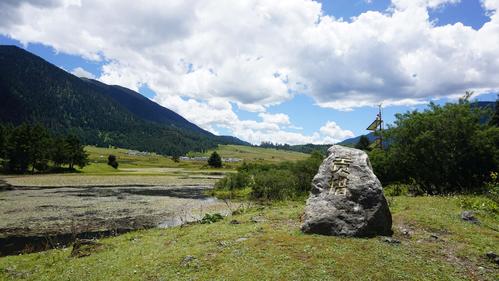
[[390, 240], [189, 261], [493, 257], [469, 216]]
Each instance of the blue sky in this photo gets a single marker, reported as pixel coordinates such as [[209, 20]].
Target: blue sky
[[241, 82]]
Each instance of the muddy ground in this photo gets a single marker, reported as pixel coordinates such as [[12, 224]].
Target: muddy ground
[[35, 218]]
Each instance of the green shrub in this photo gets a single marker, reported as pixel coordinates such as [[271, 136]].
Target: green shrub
[[479, 203], [492, 187], [270, 181], [234, 181], [211, 218], [396, 190], [111, 161], [274, 185]]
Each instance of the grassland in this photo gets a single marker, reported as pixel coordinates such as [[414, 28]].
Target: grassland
[[256, 154], [152, 169], [267, 245]]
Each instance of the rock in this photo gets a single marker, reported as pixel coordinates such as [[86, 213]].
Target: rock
[[190, 261], [242, 239], [257, 219], [235, 222], [347, 198], [390, 240], [406, 232], [469, 216], [493, 257]]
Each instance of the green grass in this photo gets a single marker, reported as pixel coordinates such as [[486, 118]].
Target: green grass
[[256, 154], [275, 249], [98, 159]]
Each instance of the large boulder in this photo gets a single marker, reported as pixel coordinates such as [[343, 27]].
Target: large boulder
[[347, 198]]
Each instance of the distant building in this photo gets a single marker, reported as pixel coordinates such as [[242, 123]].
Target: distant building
[[203, 158]]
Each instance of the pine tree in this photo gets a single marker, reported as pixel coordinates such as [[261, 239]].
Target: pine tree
[[60, 152], [363, 143], [3, 140], [76, 153], [215, 160], [17, 149], [39, 147]]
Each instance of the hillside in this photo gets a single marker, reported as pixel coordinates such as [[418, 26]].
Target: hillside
[[355, 140], [33, 90], [251, 154]]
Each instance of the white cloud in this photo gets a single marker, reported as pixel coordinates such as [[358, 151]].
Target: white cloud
[[219, 113], [405, 4], [80, 72], [334, 132], [256, 53], [491, 5], [278, 118]]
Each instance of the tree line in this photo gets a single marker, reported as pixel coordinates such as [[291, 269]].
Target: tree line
[[453, 148], [33, 148]]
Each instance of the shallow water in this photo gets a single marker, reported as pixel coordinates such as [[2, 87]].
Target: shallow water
[[41, 212]]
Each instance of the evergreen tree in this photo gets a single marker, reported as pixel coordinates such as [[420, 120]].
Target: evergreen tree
[[215, 160], [111, 161], [39, 147], [3, 140], [495, 117], [76, 153], [363, 143], [17, 149], [60, 151]]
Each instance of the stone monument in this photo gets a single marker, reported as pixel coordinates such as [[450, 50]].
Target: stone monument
[[346, 197]]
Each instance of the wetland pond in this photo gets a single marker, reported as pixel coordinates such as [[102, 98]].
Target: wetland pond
[[39, 218]]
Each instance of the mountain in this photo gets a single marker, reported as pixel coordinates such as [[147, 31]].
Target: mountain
[[144, 107], [355, 140], [33, 90]]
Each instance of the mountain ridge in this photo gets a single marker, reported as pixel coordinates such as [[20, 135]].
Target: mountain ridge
[[36, 91]]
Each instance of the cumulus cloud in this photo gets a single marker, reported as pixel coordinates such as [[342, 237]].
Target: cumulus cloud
[[219, 113], [256, 53], [80, 72], [278, 118]]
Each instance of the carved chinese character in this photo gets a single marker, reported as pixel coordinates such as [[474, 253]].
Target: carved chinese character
[[340, 169]]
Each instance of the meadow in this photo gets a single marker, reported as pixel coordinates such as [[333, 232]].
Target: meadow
[[264, 243]]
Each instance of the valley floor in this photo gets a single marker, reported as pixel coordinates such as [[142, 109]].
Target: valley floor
[[265, 243]]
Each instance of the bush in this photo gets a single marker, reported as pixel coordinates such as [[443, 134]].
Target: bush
[[208, 219], [481, 204], [396, 190], [492, 187], [274, 185], [234, 181], [111, 161]]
